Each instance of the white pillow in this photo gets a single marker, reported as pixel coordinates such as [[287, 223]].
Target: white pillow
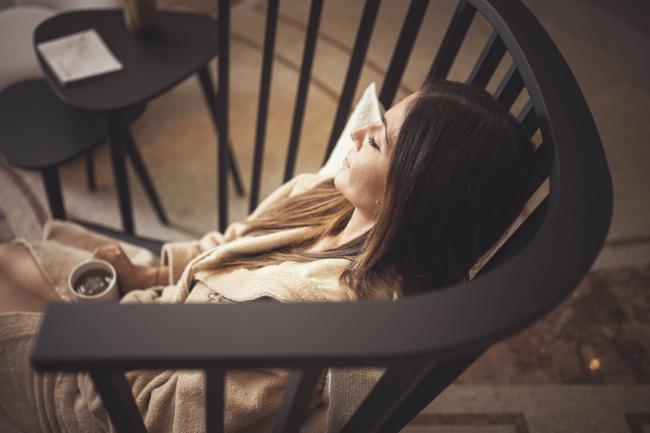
[[368, 110]]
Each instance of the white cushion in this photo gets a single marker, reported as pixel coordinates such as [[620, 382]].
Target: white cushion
[[17, 24], [66, 5], [368, 110], [18, 60]]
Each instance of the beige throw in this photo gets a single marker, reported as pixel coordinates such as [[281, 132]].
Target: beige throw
[[174, 400]]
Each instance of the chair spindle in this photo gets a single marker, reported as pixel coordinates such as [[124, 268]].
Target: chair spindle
[[215, 401], [262, 109], [524, 233], [488, 61], [510, 87], [358, 56], [427, 390], [452, 41], [303, 86], [528, 119], [393, 388], [299, 390], [402, 51], [222, 110], [117, 398], [541, 168], [539, 174]]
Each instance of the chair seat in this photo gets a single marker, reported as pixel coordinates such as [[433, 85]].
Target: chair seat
[[38, 131]]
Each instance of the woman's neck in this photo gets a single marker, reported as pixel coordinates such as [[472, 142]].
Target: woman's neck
[[358, 225]]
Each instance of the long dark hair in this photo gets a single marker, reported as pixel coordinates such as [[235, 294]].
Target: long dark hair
[[456, 182]]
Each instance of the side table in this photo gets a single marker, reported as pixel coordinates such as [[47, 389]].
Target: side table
[[184, 45], [39, 133]]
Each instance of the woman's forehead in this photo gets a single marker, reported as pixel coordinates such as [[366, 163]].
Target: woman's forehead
[[394, 117]]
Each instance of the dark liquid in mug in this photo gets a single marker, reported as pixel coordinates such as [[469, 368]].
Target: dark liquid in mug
[[93, 282]]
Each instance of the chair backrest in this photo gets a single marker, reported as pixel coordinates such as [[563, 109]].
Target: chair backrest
[[424, 341]]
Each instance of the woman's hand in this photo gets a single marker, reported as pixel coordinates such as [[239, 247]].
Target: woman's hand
[[129, 276]]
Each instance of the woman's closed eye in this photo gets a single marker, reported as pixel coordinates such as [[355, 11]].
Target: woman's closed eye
[[372, 142]]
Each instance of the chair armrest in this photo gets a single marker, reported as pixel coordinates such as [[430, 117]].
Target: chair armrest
[[76, 337]]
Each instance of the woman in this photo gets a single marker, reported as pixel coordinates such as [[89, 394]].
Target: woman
[[423, 195]]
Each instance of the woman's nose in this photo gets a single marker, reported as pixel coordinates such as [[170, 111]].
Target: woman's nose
[[358, 135]]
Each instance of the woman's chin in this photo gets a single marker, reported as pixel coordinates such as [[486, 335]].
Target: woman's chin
[[339, 178]]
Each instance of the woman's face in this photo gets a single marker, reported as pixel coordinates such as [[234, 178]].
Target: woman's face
[[362, 176]]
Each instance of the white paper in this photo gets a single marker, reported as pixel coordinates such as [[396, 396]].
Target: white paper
[[79, 55]]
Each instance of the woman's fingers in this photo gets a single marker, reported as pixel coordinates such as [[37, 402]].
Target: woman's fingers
[[128, 274], [108, 251]]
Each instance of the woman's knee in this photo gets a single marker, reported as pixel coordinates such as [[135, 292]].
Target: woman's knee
[[18, 266], [15, 298], [9, 253]]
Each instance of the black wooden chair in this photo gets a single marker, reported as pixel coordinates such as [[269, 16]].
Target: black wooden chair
[[424, 341]]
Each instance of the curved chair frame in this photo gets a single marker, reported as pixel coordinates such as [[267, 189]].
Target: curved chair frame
[[426, 340]]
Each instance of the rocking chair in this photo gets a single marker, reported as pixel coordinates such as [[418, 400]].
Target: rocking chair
[[424, 341]]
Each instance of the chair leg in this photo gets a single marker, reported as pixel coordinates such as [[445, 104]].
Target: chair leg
[[143, 174], [90, 171], [52, 185], [208, 92]]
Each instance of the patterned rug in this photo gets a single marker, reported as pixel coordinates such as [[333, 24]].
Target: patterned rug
[[536, 409]]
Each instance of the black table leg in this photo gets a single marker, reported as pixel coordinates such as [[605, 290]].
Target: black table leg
[[208, 93], [113, 133], [143, 174], [52, 185], [90, 171], [232, 164]]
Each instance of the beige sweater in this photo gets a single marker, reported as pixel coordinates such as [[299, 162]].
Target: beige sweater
[[174, 400]]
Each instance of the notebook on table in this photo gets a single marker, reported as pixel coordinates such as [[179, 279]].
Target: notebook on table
[[78, 56]]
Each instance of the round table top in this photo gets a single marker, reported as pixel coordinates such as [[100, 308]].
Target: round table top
[[153, 64], [37, 130]]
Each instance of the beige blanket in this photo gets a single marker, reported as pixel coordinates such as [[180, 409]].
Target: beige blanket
[[172, 400]]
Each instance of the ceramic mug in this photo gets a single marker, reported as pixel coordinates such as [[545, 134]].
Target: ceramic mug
[[96, 266], [141, 16]]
